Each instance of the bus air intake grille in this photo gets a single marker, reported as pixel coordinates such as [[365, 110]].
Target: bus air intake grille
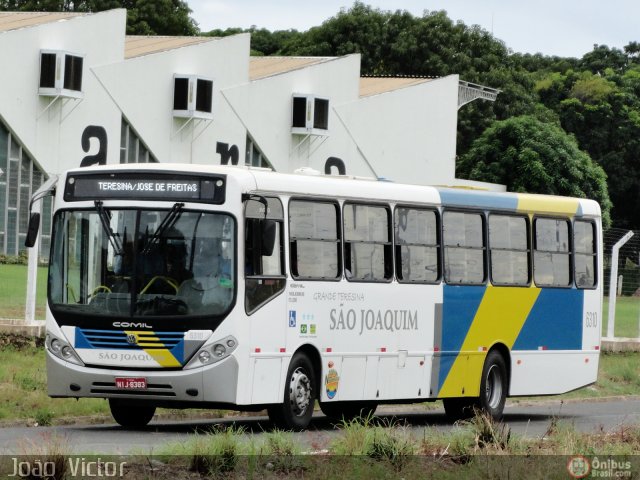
[[114, 339]]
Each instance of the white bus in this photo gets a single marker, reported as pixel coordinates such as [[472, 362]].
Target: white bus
[[199, 286]]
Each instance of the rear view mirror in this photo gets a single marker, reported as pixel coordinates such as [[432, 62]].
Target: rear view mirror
[[268, 228], [32, 231]]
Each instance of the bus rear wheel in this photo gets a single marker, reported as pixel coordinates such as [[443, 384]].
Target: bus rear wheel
[[347, 411], [494, 385], [131, 416], [295, 412]]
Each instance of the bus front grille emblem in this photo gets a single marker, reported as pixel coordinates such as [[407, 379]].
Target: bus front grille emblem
[[131, 339]]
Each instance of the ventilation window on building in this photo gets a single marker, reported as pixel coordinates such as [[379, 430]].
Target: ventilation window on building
[[192, 97], [314, 240], [463, 235], [181, 94], [585, 257], [132, 150], [310, 115], [509, 250], [48, 70], [416, 245], [367, 243], [73, 73], [552, 253], [204, 95], [60, 74]]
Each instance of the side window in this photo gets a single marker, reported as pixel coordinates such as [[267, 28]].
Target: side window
[[463, 236], [264, 251], [367, 243], [585, 254], [416, 245], [314, 240], [509, 250], [552, 255]]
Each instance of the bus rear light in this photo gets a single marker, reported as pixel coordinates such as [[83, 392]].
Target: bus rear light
[[436, 349], [597, 347], [257, 350], [383, 349], [329, 349], [542, 347], [282, 350]]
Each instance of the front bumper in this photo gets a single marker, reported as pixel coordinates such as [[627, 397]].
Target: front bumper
[[216, 383]]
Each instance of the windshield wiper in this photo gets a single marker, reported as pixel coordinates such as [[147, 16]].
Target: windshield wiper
[[105, 218], [167, 222]]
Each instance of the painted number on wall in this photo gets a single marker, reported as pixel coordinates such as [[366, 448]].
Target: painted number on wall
[[100, 158]]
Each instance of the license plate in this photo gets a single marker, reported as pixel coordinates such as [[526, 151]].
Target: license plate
[[131, 383]]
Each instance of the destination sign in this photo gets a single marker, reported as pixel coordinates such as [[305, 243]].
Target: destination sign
[[146, 186]]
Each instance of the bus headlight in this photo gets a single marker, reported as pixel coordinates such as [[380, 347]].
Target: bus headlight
[[213, 352], [62, 350], [204, 356]]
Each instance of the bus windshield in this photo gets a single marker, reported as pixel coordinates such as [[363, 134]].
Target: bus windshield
[[134, 262]]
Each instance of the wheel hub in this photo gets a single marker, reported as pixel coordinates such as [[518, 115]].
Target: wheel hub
[[299, 392], [493, 390]]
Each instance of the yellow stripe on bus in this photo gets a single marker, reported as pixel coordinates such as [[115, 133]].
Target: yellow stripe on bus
[[163, 356], [547, 204], [500, 317]]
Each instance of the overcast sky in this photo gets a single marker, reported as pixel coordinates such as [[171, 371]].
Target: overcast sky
[[552, 27]]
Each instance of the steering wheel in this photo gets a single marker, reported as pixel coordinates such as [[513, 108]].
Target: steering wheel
[[169, 281], [98, 289]]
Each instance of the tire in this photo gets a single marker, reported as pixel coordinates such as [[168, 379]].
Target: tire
[[459, 408], [131, 416], [347, 411], [494, 385], [300, 393]]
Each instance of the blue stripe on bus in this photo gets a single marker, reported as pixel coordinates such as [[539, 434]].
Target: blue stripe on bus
[[458, 311], [470, 198], [555, 321]]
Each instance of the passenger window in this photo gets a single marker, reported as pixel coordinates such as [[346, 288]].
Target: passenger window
[[264, 251], [552, 254], [463, 235], [509, 250], [416, 245], [585, 254], [314, 240], [367, 243]]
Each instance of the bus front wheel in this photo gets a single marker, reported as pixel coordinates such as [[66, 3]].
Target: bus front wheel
[[131, 416], [295, 412]]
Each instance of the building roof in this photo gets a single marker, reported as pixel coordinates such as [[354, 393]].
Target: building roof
[[15, 20], [375, 85], [138, 45], [260, 67]]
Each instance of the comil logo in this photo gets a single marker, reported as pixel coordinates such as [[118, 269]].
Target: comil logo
[[578, 466]]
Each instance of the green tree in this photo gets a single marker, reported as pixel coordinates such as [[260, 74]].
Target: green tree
[[528, 155], [144, 17]]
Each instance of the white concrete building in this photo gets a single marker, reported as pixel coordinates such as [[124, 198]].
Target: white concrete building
[[74, 90]]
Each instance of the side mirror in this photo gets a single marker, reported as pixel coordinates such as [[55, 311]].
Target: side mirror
[[32, 231], [269, 229]]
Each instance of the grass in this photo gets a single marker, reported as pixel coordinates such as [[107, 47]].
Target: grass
[[627, 317], [370, 448], [13, 291]]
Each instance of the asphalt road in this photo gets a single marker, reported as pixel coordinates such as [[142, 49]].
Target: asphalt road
[[531, 419]]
